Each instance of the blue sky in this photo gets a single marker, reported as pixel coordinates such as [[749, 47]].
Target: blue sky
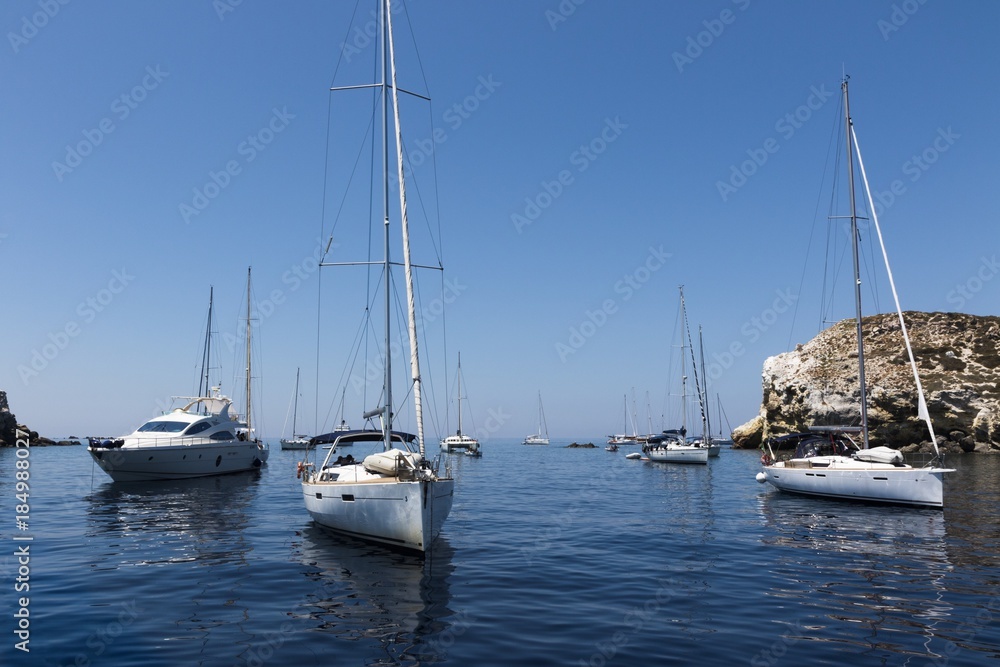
[[587, 158]]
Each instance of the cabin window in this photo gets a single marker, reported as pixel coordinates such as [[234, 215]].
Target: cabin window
[[198, 427], [222, 435], [162, 427]]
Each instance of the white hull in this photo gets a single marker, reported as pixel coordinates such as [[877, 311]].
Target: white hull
[[295, 443], [455, 443], [846, 478], [142, 463], [405, 514], [677, 454], [535, 440]]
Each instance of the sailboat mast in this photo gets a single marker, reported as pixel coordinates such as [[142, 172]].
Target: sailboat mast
[[387, 408], [684, 409], [411, 301], [204, 386], [459, 393], [848, 128], [295, 409], [249, 403], [707, 431]]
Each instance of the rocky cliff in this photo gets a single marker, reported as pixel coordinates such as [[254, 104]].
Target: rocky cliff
[[9, 427], [958, 357]]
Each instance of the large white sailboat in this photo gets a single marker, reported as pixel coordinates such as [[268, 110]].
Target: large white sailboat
[[542, 436], [394, 496], [460, 440], [200, 439], [830, 461]]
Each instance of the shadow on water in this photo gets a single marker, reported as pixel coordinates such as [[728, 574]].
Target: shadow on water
[[396, 602]]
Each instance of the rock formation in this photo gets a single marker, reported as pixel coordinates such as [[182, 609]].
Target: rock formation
[[958, 357], [9, 427]]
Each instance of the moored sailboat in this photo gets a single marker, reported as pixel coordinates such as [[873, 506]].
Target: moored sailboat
[[829, 461], [394, 496], [542, 436], [460, 440], [297, 441]]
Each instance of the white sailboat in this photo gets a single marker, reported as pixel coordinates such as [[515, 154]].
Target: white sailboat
[[198, 440], [297, 441], [460, 441], [542, 436], [673, 446], [625, 438], [394, 496], [828, 461]]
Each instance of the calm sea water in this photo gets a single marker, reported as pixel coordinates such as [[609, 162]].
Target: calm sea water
[[551, 556]]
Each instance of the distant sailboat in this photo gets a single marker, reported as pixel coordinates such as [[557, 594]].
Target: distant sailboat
[[297, 441], [673, 446], [459, 441], [542, 436], [624, 438]]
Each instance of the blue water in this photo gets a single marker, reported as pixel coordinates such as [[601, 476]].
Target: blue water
[[551, 556]]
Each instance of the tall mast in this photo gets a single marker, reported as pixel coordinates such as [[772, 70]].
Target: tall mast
[[387, 408], [848, 129], [411, 301], [459, 393], [683, 369], [249, 402], [707, 430], [204, 386], [295, 410]]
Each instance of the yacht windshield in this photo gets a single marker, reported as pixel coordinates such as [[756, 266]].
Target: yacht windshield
[[162, 427]]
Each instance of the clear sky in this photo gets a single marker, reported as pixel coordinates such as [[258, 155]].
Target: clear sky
[[588, 158]]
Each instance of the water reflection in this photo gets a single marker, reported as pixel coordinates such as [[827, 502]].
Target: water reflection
[[848, 565], [199, 519], [397, 602]]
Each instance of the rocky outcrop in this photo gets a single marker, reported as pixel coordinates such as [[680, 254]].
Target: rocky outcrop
[[9, 427], [958, 357]]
